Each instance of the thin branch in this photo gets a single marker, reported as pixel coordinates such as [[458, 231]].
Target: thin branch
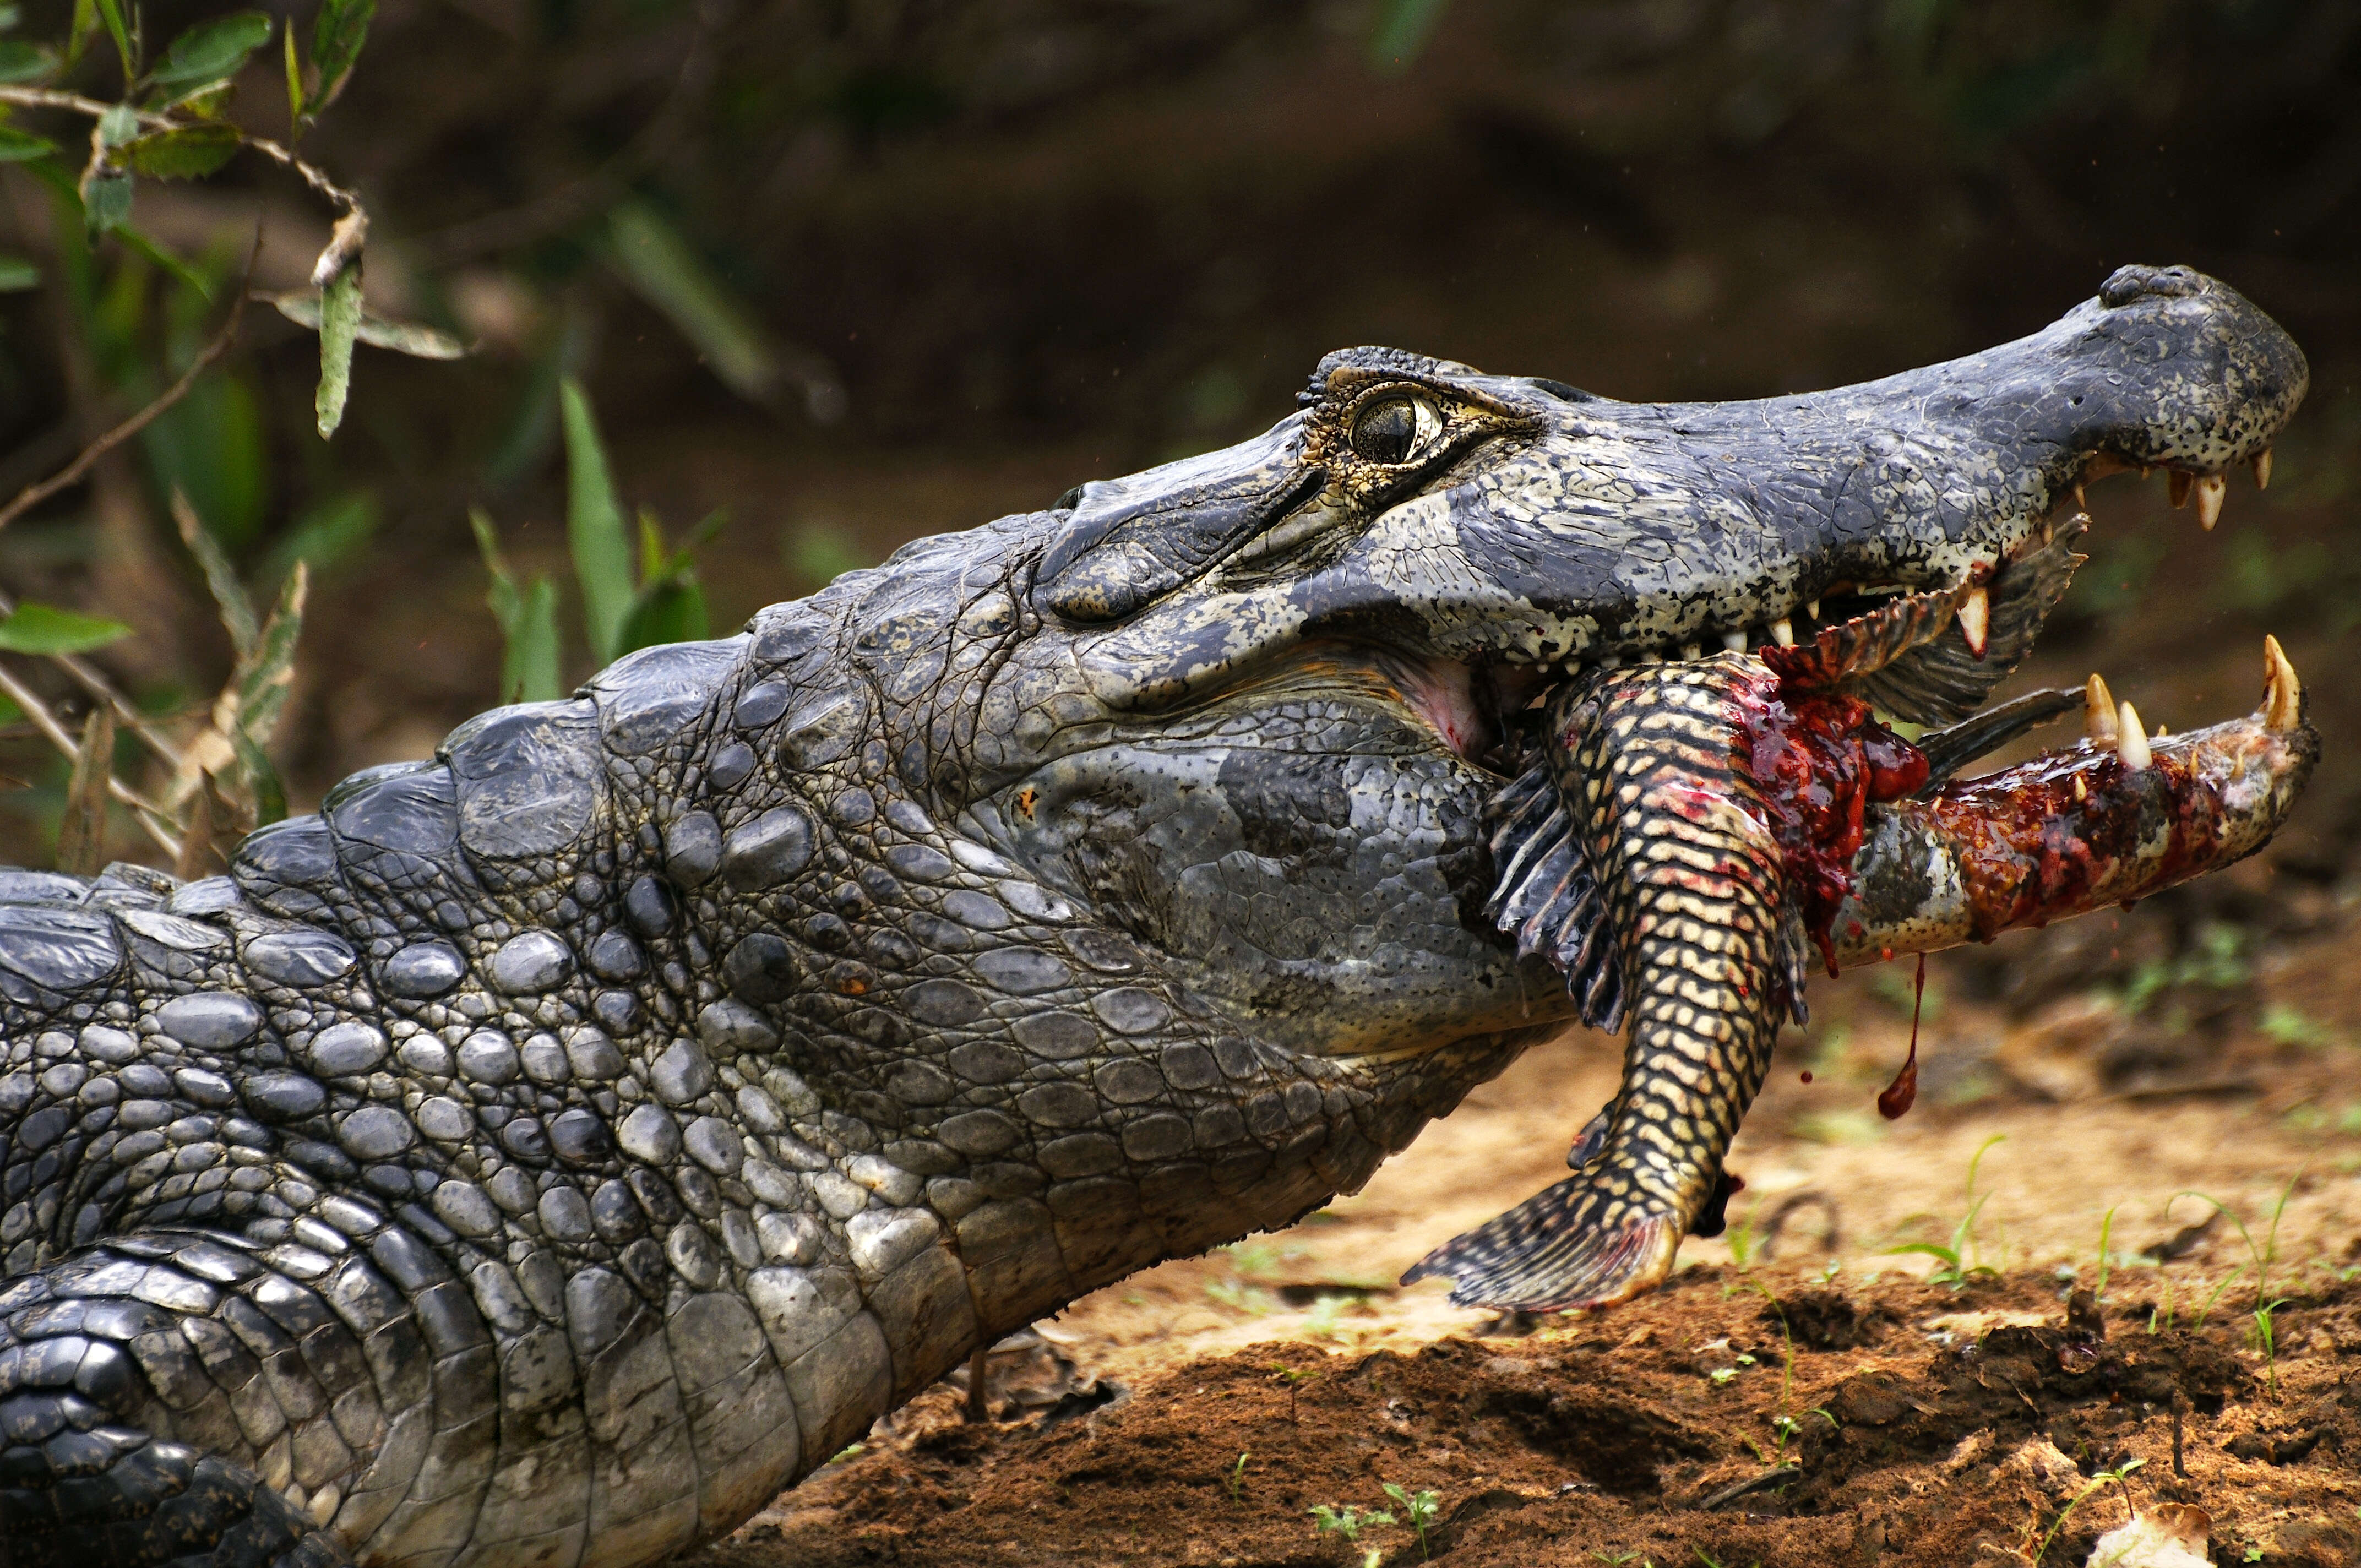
[[35, 494], [94, 681], [345, 242], [74, 103], [151, 816]]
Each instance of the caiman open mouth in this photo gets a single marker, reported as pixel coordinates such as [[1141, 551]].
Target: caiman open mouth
[[1966, 636]]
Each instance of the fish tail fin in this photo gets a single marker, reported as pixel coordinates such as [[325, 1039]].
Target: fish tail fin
[[1573, 1244]]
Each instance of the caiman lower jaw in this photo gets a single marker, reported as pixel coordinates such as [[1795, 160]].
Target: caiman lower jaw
[[2119, 817]]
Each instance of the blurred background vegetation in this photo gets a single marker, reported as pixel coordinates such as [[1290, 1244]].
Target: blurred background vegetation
[[860, 270]]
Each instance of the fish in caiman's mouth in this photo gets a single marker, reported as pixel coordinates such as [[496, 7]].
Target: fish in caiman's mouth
[[1455, 691]]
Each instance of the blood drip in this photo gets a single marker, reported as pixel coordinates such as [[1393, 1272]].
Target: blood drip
[[1903, 1093], [1807, 1075], [1820, 758]]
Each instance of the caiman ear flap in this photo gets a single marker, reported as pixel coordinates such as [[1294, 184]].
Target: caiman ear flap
[[1132, 541]]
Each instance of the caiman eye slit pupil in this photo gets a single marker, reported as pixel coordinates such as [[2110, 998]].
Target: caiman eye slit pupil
[[1386, 432]]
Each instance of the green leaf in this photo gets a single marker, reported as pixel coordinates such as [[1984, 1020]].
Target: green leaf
[[185, 152], [221, 577], [16, 275], [294, 83], [594, 526], [340, 321], [210, 51], [336, 38], [673, 278], [210, 102], [9, 17], [19, 147], [105, 204], [668, 612], [262, 780], [45, 629], [266, 674], [85, 18], [528, 622], [21, 62], [301, 306], [111, 12]]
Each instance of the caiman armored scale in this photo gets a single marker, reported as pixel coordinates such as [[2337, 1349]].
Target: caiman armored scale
[[547, 1152]]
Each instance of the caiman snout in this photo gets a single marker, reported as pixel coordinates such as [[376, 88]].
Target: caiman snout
[[2170, 368]]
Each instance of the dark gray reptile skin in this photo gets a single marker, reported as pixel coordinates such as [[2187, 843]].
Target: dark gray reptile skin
[[548, 1152]]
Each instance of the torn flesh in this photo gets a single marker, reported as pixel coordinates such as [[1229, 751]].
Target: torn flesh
[[1696, 828]]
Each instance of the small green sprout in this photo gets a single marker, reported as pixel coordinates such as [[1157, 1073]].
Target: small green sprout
[[2091, 1488], [1418, 1509], [1349, 1521], [1721, 1375], [1294, 1378], [1237, 1480], [1954, 1268]]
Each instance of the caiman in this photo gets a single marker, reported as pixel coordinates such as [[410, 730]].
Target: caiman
[[548, 1152]]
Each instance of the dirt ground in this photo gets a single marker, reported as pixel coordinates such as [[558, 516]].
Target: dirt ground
[[2109, 1069], [1802, 1394]]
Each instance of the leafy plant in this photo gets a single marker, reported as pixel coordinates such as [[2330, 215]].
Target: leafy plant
[[1347, 1521], [2098, 1483], [1954, 1259], [1419, 1510], [627, 604], [194, 420], [1294, 1378]]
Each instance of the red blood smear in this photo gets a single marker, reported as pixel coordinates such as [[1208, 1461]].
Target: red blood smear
[[1807, 1075], [1903, 1093], [1820, 758]]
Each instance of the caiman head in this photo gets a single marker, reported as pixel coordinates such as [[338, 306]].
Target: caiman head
[[1117, 874], [1249, 706]]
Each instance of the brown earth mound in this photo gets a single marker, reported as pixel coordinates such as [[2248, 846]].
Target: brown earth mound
[[1709, 1425]]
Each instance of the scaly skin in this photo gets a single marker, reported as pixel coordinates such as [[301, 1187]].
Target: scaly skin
[[546, 1152]]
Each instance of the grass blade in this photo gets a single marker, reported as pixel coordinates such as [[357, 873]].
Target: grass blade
[[594, 527], [662, 268], [82, 832], [237, 609], [528, 622]]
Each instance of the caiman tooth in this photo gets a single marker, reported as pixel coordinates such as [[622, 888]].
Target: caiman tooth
[[1734, 641], [2131, 739], [2261, 464], [1975, 618], [1783, 632], [2098, 711], [2209, 489], [2282, 693], [2176, 484]]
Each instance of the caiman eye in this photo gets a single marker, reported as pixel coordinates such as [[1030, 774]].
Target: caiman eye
[[1396, 430]]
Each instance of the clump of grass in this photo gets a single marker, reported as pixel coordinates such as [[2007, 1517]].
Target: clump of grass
[[1961, 1259]]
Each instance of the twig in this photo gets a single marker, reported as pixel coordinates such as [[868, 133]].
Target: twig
[[151, 816], [35, 494], [344, 245]]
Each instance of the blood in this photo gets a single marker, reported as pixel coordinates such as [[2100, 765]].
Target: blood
[[1903, 1093], [1820, 758], [1807, 1075]]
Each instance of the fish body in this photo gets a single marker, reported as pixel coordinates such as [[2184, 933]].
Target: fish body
[[1695, 829]]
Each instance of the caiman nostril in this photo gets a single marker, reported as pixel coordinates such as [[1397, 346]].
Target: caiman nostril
[[2127, 284]]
